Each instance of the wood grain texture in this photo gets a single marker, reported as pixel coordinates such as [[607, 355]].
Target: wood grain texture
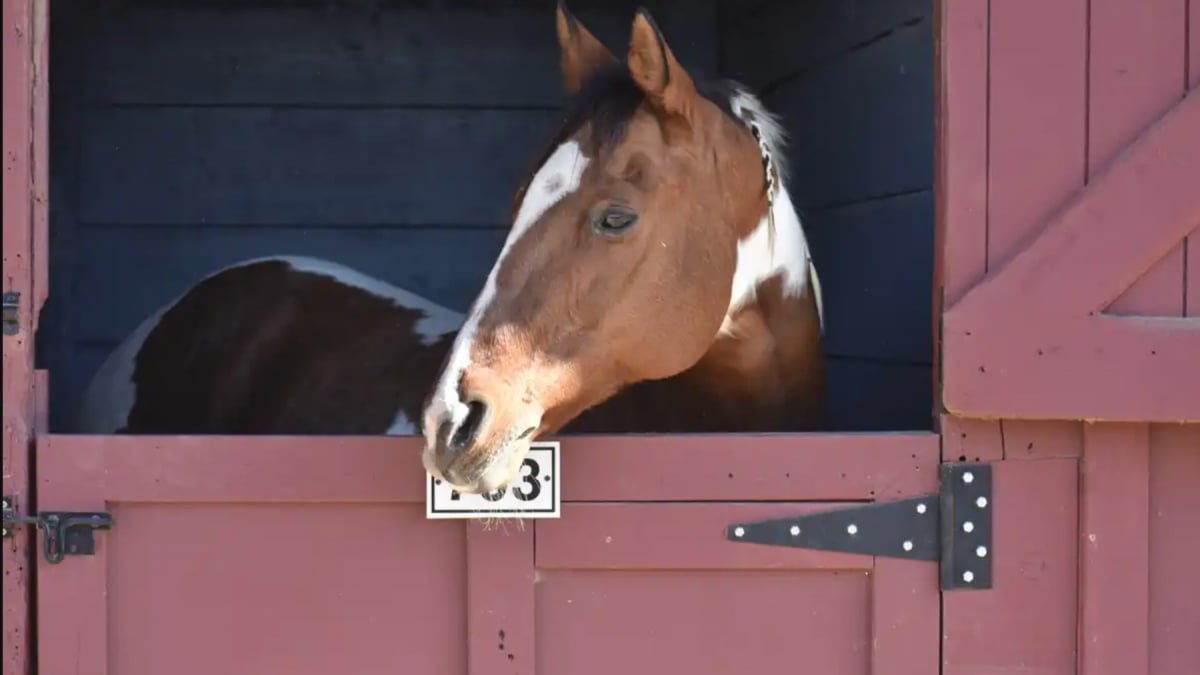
[[865, 394], [1114, 550], [1174, 536], [1059, 365], [501, 619], [347, 56], [862, 125], [814, 33], [265, 166], [1136, 71], [246, 610], [876, 301], [23, 230], [1038, 82], [1027, 623]]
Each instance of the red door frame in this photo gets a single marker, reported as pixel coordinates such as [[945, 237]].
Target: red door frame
[[24, 231]]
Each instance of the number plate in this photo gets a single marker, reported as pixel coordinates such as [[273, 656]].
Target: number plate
[[534, 493]]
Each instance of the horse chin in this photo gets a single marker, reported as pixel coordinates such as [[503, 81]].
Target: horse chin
[[502, 467]]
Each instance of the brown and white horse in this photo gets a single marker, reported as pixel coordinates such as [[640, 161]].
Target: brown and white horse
[[656, 278]]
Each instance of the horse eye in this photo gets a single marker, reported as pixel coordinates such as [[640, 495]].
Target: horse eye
[[615, 220]]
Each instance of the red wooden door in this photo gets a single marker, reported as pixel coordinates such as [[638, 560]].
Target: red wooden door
[[313, 556]]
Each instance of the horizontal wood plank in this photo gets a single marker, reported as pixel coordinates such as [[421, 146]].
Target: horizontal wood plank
[[862, 126], [397, 56], [875, 260], [787, 38], [263, 166], [623, 536], [818, 467]]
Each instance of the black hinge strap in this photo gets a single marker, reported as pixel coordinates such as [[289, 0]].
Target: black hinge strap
[[953, 527]]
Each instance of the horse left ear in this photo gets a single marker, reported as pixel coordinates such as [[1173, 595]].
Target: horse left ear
[[656, 71], [582, 55]]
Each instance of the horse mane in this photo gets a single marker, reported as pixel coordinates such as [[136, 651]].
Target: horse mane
[[609, 98]]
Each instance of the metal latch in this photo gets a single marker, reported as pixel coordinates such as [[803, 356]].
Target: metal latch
[[12, 316], [63, 532], [953, 527]]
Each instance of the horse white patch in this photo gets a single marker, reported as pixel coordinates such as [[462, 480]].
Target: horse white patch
[[110, 395], [757, 261], [557, 178], [436, 320]]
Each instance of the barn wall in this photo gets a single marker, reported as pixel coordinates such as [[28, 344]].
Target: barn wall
[[854, 84], [187, 138]]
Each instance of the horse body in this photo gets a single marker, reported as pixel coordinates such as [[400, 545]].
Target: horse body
[[656, 279]]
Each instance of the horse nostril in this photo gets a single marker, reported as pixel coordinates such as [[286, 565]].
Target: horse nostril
[[465, 435]]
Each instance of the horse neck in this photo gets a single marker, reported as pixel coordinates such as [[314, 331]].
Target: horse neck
[[764, 370]]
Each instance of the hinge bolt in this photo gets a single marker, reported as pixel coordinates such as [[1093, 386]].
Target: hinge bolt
[[981, 551], [739, 532], [968, 576], [968, 526], [852, 529], [920, 508], [968, 477], [981, 502], [908, 545], [795, 530]]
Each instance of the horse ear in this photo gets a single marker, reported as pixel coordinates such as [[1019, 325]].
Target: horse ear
[[582, 53], [656, 71]]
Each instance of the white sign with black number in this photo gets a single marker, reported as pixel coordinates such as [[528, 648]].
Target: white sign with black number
[[534, 493]]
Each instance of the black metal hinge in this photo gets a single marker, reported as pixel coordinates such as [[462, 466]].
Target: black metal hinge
[[953, 527], [63, 532], [12, 312]]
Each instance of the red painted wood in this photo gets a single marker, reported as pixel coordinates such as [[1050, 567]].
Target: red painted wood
[[273, 577], [621, 536], [1036, 115], [961, 153], [1028, 439], [960, 158], [1174, 535], [1193, 29], [730, 467], [611, 572], [595, 468], [966, 439], [1062, 363], [1027, 623], [711, 622], [1114, 552], [501, 627], [1192, 289], [21, 43], [1136, 72]]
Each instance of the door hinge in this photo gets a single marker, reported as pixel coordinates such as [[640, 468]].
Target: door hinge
[[952, 527], [63, 532], [12, 312]]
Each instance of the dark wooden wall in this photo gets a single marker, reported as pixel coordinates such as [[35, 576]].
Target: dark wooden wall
[[853, 80], [388, 136]]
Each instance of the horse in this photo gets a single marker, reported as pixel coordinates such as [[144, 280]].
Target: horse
[[656, 278]]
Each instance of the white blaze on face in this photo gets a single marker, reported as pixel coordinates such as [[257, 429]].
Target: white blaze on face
[[557, 178]]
